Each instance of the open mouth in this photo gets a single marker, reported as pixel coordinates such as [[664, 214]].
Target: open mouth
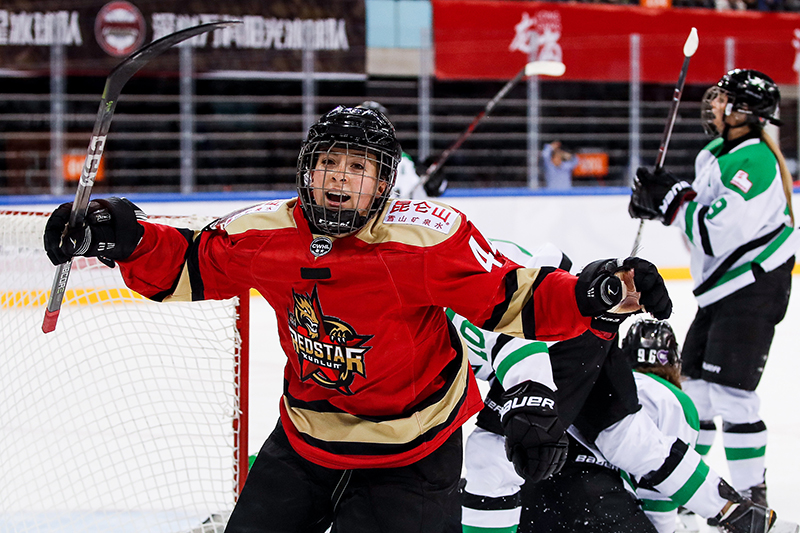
[[336, 198]]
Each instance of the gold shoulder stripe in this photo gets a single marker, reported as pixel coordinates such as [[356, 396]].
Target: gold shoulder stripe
[[275, 214], [511, 322], [183, 290], [414, 222]]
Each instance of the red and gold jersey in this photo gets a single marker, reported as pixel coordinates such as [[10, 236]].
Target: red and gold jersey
[[376, 376]]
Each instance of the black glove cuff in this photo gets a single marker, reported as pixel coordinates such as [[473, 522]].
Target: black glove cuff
[[528, 396], [127, 232], [598, 289], [677, 194]]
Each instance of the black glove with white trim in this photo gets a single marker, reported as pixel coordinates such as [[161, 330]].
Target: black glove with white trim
[[653, 295], [598, 289], [109, 232], [658, 195], [536, 442], [596, 292]]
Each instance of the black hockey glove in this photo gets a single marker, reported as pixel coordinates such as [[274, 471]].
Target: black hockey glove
[[653, 295], [436, 184], [598, 289], [658, 195], [742, 516], [536, 442], [109, 232]]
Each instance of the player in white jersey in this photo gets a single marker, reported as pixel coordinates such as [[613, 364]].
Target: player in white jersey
[[737, 218], [407, 183], [597, 392], [652, 349]]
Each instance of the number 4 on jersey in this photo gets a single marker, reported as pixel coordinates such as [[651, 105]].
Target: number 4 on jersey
[[486, 259]]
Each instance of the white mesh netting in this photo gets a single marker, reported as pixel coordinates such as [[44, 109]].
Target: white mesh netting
[[122, 419]]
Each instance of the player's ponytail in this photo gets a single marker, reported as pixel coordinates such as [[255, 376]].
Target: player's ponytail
[[785, 175]]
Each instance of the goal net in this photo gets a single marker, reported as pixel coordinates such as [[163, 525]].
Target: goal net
[[130, 415]]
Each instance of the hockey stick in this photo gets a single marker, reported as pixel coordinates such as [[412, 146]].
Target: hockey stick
[[689, 48], [534, 68], [108, 102]]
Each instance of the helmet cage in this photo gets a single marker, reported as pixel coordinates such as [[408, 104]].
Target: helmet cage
[[369, 138], [707, 109], [651, 343]]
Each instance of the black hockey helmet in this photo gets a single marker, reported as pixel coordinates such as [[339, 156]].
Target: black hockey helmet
[[372, 104], [750, 92], [356, 130], [650, 343]]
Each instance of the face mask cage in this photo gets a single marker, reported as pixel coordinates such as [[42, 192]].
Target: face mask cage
[[707, 109], [342, 185]]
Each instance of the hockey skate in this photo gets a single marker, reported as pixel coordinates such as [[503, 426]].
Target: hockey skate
[[742, 515], [757, 493], [746, 517]]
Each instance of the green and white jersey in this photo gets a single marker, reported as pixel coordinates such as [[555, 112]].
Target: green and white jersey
[[405, 184], [509, 359], [660, 438], [738, 218], [668, 406], [675, 415]]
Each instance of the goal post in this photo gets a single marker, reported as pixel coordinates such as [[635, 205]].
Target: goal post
[[132, 415]]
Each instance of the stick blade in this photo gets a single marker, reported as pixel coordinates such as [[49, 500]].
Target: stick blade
[[120, 75], [690, 46], [545, 68]]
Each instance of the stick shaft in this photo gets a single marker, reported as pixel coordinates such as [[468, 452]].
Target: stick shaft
[[444, 156], [673, 114], [108, 102], [665, 137]]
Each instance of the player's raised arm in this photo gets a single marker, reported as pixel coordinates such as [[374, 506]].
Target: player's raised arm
[[478, 282]]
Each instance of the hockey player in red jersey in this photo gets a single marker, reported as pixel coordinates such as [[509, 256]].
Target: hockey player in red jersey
[[376, 384]]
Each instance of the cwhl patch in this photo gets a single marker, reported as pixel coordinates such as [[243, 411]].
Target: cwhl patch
[[421, 213], [265, 207]]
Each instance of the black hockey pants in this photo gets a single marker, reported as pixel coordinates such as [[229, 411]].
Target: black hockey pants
[[285, 493]]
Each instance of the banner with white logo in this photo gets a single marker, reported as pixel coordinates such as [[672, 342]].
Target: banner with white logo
[[96, 35], [493, 39]]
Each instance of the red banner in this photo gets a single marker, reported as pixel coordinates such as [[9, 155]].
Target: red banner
[[493, 39]]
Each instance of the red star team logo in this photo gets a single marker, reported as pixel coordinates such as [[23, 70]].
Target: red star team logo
[[329, 350]]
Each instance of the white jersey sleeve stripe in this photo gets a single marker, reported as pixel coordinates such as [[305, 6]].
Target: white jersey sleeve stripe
[[520, 361]]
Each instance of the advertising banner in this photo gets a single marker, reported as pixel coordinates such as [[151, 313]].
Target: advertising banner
[[96, 35], [493, 39]]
